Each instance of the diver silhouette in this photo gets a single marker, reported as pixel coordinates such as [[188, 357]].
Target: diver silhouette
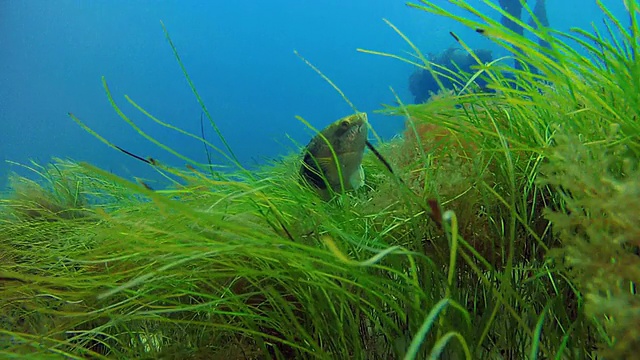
[[514, 8]]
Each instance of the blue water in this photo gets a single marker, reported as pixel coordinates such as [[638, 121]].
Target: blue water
[[239, 55]]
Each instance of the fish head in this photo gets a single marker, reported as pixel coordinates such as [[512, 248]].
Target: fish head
[[348, 134]]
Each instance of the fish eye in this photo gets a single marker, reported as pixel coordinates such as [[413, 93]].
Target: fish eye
[[345, 123]]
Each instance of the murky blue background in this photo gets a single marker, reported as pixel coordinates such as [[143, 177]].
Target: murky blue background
[[239, 55]]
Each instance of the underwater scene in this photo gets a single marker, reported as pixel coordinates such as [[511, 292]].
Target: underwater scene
[[356, 179]]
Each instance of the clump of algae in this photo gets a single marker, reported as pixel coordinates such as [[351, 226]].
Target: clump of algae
[[599, 229], [536, 255]]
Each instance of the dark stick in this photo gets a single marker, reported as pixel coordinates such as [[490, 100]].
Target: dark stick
[[379, 156], [134, 155], [206, 148], [433, 212]]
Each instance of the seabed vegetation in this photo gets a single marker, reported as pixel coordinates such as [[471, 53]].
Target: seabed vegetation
[[508, 229]]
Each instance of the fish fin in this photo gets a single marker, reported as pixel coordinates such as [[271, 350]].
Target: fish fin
[[357, 178]]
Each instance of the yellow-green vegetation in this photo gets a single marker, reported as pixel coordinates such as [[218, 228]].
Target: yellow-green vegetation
[[535, 187]]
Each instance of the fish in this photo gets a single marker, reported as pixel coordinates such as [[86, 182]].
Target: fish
[[347, 137]]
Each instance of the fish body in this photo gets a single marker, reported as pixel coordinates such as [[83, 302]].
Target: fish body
[[347, 137]]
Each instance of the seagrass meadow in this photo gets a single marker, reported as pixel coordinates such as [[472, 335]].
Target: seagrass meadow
[[508, 229]]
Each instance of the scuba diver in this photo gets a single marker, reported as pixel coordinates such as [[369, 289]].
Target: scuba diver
[[423, 85], [421, 82]]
